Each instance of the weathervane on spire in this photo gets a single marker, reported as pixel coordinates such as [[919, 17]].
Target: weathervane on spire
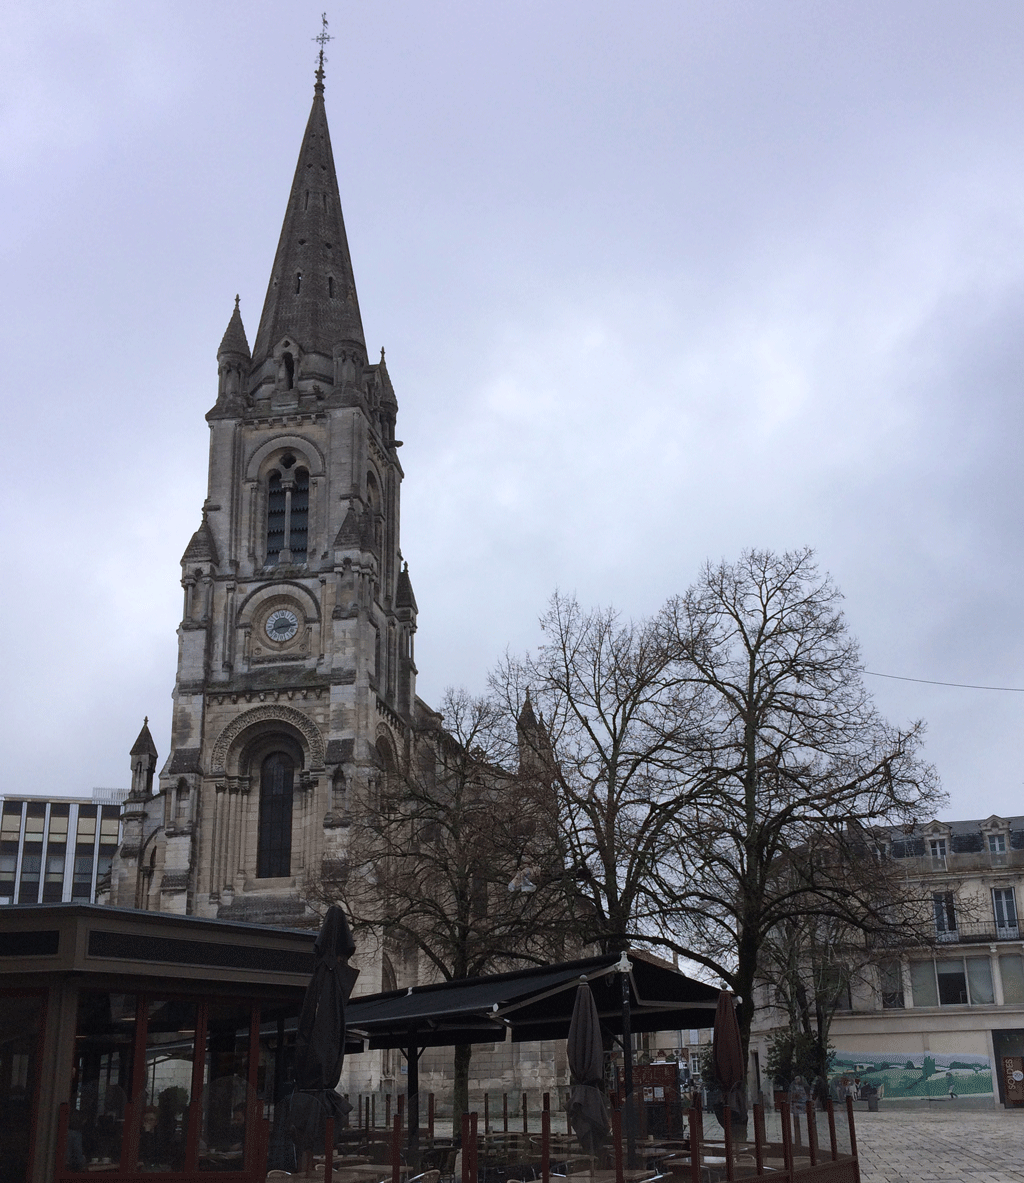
[[323, 37]]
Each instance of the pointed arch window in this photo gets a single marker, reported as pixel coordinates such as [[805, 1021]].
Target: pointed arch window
[[288, 514], [277, 777]]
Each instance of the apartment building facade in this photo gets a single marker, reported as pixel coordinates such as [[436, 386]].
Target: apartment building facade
[[943, 1022]]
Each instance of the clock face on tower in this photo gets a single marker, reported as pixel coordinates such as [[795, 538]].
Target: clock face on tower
[[282, 625]]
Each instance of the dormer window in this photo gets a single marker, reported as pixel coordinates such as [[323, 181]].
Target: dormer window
[[997, 844], [287, 513], [937, 849]]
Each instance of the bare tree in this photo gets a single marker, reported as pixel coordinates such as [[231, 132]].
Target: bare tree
[[612, 729], [433, 853], [790, 755]]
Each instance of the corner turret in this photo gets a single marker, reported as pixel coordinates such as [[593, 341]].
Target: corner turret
[[143, 757], [233, 361]]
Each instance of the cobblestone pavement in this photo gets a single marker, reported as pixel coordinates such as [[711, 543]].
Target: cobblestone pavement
[[941, 1146]]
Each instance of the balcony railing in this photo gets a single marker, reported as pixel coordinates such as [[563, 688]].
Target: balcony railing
[[977, 932]]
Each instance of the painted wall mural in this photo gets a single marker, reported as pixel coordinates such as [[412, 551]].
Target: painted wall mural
[[913, 1074]]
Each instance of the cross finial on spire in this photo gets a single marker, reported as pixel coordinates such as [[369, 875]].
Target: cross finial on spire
[[145, 720], [322, 37]]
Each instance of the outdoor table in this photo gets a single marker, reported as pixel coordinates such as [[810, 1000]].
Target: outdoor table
[[609, 1176], [361, 1172]]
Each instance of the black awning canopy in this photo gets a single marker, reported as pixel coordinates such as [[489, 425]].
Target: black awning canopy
[[529, 1004]]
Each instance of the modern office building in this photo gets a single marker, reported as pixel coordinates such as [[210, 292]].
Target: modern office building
[[55, 849]]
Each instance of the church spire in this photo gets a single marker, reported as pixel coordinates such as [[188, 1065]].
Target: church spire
[[311, 299]]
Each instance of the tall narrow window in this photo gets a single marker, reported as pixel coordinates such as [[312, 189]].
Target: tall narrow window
[[277, 775], [275, 518], [945, 915], [1005, 908], [298, 282], [890, 983], [330, 286], [299, 524], [289, 361]]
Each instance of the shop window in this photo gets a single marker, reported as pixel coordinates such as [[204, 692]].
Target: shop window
[[226, 1105], [102, 1083], [20, 1026], [1011, 970], [275, 1079], [162, 1103]]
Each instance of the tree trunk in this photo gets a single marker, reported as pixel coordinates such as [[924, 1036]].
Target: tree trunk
[[460, 1085]]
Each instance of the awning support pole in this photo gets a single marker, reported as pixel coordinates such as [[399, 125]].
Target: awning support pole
[[629, 1112], [412, 1056]]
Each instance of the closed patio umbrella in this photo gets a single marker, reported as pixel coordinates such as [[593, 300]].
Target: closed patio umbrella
[[320, 1040], [588, 1112], [727, 1058]]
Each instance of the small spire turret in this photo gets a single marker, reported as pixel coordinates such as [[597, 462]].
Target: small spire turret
[[234, 343], [143, 757]]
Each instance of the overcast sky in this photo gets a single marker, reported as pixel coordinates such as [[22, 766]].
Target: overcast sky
[[657, 282]]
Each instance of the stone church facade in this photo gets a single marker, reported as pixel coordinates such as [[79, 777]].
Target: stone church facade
[[296, 678]]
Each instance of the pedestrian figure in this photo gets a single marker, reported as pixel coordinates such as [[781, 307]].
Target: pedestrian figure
[[951, 1085]]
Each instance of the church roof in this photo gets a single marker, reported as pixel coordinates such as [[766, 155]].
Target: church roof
[[527, 719], [234, 339], [202, 548], [312, 292], [144, 745]]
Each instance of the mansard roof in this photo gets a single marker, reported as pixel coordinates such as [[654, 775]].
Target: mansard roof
[[312, 293]]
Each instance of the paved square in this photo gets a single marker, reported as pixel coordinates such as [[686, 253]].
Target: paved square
[[940, 1145]]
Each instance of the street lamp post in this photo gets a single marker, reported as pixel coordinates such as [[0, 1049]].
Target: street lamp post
[[623, 968]]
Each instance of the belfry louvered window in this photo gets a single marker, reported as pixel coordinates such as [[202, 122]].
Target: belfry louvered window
[[277, 776], [299, 523], [287, 514], [276, 499]]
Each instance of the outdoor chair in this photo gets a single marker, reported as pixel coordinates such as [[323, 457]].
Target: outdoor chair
[[426, 1177]]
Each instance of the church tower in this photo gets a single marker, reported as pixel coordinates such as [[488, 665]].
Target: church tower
[[296, 678]]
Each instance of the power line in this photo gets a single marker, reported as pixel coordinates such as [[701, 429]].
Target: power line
[[958, 685]]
